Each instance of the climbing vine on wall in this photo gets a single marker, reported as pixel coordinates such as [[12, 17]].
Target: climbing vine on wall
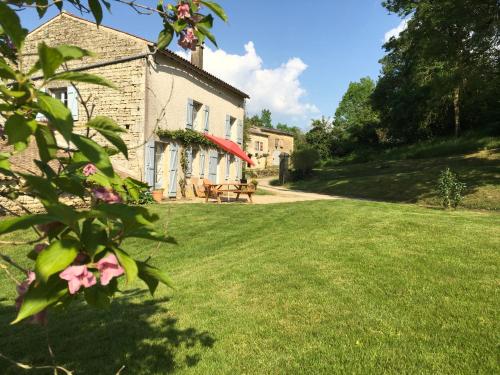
[[186, 137]]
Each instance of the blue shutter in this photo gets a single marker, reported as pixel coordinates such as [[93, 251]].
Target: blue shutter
[[72, 101], [240, 132], [189, 166], [189, 115], [228, 165], [202, 163], [228, 127], [172, 171], [212, 166], [149, 163], [207, 118]]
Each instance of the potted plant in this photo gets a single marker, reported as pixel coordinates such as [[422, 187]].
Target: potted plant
[[158, 195]]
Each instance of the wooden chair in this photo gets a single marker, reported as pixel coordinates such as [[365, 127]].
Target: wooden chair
[[199, 190]]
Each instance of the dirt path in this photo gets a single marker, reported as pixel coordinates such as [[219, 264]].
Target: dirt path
[[283, 195]]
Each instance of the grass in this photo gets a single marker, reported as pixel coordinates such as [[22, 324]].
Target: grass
[[307, 288], [435, 148], [411, 180]]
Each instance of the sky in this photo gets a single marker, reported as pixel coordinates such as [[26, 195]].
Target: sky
[[295, 58]]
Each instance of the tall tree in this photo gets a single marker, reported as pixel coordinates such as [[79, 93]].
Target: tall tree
[[355, 116], [320, 136], [445, 60], [266, 118]]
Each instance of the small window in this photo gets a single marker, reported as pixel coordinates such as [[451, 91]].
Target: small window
[[261, 146], [257, 145], [61, 94]]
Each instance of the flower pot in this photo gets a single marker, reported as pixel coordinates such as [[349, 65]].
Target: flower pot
[[158, 195]]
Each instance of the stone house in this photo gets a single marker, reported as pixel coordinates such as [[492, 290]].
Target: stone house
[[266, 145], [156, 90]]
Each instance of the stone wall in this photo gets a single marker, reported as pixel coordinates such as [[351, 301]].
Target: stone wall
[[126, 105]]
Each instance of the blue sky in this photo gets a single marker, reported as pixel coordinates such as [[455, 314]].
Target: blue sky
[[295, 57]]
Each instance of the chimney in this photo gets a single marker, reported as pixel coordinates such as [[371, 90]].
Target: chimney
[[197, 56]]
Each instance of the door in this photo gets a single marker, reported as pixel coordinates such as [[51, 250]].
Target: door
[[276, 157], [172, 170], [212, 166], [159, 152]]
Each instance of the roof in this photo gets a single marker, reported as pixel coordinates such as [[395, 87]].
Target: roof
[[275, 131], [168, 53]]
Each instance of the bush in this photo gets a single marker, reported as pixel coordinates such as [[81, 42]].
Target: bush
[[450, 189], [304, 160]]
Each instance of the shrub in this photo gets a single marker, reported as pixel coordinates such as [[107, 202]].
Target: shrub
[[304, 160], [145, 197], [450, 189]]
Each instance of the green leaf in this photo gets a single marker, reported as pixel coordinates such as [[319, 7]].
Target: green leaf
[[6, 71], [47, 146], [19, 130], [13, 93], [109, 129], [152, 276], [94, 237], [132, 217], [24, 222], [59, 255], [50, 59], [12, 25], [96, 9], [216, 8], [100, 179], [207, 22], [179, 25], [42, 7], [95, 153], [128, 264], [165, 36], [69, 52], [5, 163], [42, 186], [82, 77], [57, 113], [40, 296], [72, 185], [97, 296], [208, 34]]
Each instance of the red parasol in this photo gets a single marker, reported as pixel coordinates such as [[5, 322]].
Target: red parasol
[[229, 146]]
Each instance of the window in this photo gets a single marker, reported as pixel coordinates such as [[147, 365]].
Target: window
[[257, 146], [261, 146], [61, 94], [197, 116]]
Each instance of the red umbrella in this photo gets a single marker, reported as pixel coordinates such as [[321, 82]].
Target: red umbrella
[[230, 147]]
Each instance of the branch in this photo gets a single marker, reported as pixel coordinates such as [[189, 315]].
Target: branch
[[28, 367], [9, 260]]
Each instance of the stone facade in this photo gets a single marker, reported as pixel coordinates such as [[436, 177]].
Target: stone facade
[[153, 90], [276, 142]]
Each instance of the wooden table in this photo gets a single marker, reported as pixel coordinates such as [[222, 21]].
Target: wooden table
[[229, 187]]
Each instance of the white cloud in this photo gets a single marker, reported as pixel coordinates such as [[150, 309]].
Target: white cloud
[[278, 89], [396, 31]]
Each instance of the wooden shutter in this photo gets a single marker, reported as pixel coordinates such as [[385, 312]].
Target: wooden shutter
[[240, 132], [72, 101], [228, 127], [228, 165], [149, 163], [189, 115], [207, 118], [172, 171], [202, 163], [212, 166]]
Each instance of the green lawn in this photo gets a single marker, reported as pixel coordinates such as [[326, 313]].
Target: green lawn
[[307, 288], [412, 181]]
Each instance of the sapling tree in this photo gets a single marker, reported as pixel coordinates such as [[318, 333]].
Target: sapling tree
[[75, 252]]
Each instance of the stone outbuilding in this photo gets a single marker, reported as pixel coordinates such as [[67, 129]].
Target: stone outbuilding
[[156, 90], [267, 145]]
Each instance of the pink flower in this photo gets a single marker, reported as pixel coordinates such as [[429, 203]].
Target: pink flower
[[23, 287], [106, 195], [188, 39], [89, 170], [39, 247], [109, 268], [183, 11], [77, 276]]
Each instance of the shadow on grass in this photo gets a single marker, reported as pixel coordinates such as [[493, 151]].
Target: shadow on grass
[[407, 181], [140, 335]]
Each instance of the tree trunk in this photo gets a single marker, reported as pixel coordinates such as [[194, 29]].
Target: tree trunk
[[456, 108]]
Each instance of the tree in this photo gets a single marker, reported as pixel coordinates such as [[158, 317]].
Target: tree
[[355, 117], [299, 137], [266, 119], [442, 66], [75, 253], [320, 137]]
